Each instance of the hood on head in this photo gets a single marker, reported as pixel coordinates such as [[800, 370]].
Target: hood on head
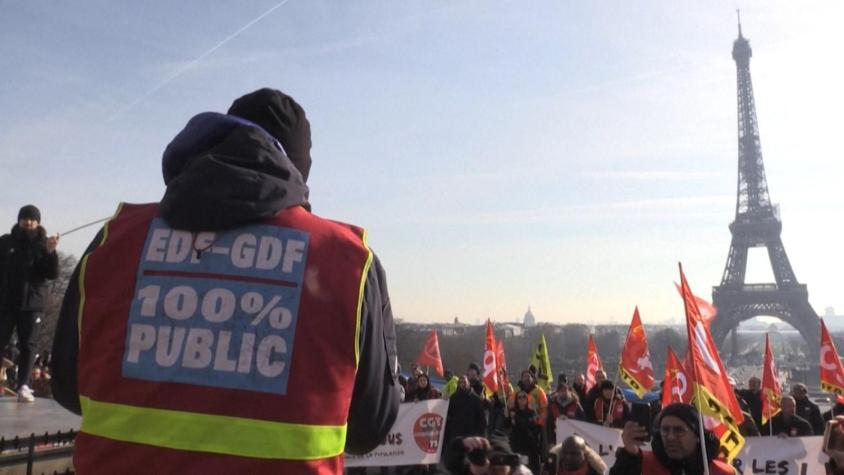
[[222, 171], [283, 118]]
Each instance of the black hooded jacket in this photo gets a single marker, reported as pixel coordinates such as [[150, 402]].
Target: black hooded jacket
[[25, 268], [222, 172]]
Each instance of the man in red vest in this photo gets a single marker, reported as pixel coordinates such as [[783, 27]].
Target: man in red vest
[[676, 447], [227, 329]]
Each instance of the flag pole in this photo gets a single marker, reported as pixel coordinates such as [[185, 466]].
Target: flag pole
[[698, 399], [614, 386], [770, 422], [702, 436]]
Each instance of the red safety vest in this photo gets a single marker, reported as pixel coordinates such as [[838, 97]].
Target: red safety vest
[[651, 466], [617, 411], [242, 360]]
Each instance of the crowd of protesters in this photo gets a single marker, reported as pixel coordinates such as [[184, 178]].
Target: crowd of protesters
[[521, 418], [39, 375]]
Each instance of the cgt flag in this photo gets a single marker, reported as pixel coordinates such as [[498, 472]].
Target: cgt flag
[[714, 396], [490, 365], [832, 371], [771, 392], [430, 354], [593, 363], [676, 385], [635, 367], [542, 363]]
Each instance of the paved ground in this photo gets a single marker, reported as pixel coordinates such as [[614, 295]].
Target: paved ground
[[44, 415]]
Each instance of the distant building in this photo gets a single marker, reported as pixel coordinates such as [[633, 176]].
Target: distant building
[[509, 330], [833, 322], [530, 320]]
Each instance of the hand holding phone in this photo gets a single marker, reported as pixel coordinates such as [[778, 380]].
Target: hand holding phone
[[640, 413]]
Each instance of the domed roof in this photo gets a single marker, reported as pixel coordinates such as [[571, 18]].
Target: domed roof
[[529, 320]]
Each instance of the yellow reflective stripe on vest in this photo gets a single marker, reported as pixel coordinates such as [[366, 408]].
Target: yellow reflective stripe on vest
[[364, 275], [211, 433]]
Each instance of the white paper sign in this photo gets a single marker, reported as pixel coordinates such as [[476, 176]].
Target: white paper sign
[[415, 439], [760, 455]]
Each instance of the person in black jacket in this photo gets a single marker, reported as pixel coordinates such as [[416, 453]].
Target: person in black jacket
[[225, 171], [806, 408], [787, 423], [28, 260], [465, 416]]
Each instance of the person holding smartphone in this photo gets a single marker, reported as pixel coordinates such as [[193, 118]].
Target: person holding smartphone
[[676, 446]]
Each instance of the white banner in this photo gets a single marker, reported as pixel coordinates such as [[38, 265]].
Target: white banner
[[415, 439], [760, 455]]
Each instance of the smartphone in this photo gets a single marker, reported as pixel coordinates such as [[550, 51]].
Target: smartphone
[[640, 413]]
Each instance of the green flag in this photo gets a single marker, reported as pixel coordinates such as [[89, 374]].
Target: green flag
[[540, 361]]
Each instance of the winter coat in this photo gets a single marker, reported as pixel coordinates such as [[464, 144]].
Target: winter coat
[[25, 268], [465, 416], [223, 172], [596, 464]]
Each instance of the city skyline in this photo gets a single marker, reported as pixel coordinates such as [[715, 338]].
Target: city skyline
[[564, 157]]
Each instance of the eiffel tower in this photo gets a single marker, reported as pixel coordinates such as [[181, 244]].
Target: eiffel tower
[[757, 224]]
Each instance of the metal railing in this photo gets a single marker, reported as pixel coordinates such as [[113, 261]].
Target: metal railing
[[52, 453]]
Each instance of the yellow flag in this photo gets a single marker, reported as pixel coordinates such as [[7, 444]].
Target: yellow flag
[[540, 361]]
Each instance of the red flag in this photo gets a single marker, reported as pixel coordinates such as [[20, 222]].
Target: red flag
[[714, 396], [832, 371], [635, 366], [593, 363], [677, 384], [490, 366], [707, 310], [771, 392], [430, 354], [500, 359]]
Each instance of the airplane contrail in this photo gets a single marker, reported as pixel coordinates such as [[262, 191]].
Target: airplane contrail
[[193, 63]]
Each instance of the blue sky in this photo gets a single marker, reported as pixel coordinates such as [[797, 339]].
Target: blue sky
[[563, 155]]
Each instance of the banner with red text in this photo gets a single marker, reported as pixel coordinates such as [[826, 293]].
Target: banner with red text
[[415, 439]]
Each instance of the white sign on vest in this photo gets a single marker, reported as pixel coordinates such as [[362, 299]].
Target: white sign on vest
[[415, 439], [760, 455]]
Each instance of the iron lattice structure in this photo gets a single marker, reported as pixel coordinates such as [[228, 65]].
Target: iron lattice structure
[[757, 224]]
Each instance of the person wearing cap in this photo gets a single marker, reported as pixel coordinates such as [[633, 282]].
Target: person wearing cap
[[676, 447], [28, 259], [608, 399], [227, 329]]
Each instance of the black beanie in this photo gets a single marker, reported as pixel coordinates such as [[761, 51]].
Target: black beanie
[[281, 117], [29, 212], [685, 412]]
